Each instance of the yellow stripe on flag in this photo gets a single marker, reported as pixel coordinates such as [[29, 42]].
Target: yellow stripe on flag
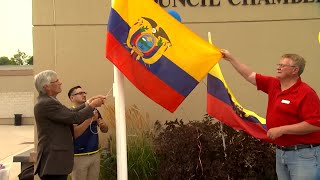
[[182, 41]]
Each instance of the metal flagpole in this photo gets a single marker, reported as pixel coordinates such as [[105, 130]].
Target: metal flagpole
[[221, 126], [120, 114]]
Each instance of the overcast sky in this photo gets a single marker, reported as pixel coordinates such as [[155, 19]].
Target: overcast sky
[[15, 27]]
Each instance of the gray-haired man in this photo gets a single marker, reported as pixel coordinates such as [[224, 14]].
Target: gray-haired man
[[54, 126]]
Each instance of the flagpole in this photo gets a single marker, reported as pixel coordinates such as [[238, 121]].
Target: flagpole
[[120, 114], [221, 126]]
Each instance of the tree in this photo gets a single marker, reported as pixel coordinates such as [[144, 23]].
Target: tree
[[30, 61], [6, 61], [20, 58]]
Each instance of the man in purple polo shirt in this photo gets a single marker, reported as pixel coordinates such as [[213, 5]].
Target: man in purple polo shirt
[[293, 116]]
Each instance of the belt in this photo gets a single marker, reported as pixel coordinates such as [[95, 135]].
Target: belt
[[297, 147], [87, 153]]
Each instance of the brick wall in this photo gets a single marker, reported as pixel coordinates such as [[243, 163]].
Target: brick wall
[[16, 103], [16, 94]]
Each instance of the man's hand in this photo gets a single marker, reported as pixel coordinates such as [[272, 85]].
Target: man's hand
[[274, 133], [95, 97], [226, 55], [97, 101], [103, 125], [95, 114]]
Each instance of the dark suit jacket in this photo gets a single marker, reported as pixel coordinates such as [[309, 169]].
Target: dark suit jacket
[[55, 141]]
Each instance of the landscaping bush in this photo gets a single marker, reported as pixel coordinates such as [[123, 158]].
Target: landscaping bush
[[195, 151], [179, 150]]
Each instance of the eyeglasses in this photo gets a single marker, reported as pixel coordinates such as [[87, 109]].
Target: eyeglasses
[[285, 65], [79, 93]]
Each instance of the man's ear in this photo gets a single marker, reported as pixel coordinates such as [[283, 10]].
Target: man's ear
[[296, 70], [46, 87]]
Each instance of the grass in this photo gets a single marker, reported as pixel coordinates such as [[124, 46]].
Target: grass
[[142, 162]]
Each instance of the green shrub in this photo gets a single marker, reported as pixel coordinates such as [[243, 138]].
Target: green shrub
[[108, 167], [142, 162], [141, 159]]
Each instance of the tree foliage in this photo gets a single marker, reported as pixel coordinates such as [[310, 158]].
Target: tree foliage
[[30, 60], [20, 58], [6, 61]]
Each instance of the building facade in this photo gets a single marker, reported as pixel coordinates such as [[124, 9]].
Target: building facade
[[69, 37]]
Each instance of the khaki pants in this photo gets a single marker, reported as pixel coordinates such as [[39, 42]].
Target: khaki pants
[[86, 167]]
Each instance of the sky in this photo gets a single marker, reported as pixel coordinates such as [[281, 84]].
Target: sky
[[15, 27]]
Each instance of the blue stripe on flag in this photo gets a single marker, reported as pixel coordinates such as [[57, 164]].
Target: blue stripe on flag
[[217, 89]]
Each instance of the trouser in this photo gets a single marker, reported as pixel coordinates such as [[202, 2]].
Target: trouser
[[302, 164], [86, 167]]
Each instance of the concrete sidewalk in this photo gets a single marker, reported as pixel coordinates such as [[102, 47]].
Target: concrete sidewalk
[[15, 140]]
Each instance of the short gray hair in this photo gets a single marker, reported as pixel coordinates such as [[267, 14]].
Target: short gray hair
[[43, 78], [297, 60]]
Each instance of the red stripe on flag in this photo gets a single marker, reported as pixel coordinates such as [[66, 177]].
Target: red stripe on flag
[[144, 80], [224, 113]]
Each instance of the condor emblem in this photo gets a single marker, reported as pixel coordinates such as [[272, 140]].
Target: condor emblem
[[147, 40]]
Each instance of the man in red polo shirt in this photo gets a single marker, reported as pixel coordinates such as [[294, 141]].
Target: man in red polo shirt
[[293, 116]]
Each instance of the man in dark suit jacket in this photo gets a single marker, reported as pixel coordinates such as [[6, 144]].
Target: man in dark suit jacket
[[54, 125]]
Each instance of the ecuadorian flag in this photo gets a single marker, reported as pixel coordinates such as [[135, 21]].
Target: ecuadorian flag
[[157, 53], [222, 105]]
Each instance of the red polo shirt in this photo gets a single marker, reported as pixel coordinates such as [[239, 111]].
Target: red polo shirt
[[294, 105]]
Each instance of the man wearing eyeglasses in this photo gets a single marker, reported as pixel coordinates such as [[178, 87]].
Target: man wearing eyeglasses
[[86, 140], [54, 127], [293, 116]]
